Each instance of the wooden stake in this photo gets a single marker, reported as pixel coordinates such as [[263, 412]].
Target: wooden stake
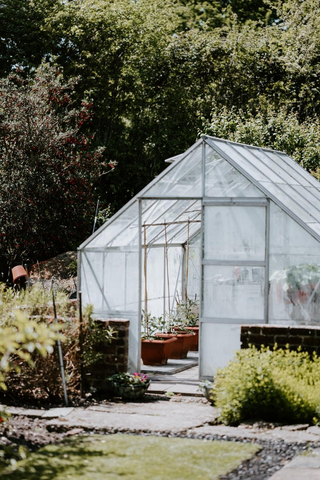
[[187, 266], [167, 264], [63, 378], [81, 346], [145, 280]]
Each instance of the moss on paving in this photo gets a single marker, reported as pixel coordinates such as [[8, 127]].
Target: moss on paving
[[98, 457]]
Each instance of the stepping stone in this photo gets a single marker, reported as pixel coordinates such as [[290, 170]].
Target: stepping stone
[[25, 412], [183, 389], [157, 387], [302, 467], [57, 412]]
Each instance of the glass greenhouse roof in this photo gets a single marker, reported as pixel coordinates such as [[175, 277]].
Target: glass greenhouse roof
[[171, 203], [279, 177]]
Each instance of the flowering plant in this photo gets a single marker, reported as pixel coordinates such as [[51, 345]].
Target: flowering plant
[[134, 379]]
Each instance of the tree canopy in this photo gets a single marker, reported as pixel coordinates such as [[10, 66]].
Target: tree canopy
[[159, 73], [47, 167]]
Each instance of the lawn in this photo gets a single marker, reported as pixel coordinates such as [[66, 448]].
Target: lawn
[[99, 457]]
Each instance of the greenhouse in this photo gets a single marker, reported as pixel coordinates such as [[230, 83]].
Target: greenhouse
[[235, 226]]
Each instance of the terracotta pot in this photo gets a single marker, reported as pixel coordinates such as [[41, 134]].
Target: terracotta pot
[[18, 273], [182, 345], [156, 352], [195, 339]]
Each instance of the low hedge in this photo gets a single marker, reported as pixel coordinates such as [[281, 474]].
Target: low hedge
[[271, 385]]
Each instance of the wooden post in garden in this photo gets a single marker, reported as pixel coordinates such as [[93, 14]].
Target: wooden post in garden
[[64, 384], [81, 346]]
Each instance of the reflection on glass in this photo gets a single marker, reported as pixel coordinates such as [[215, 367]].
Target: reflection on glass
[[295, 292], [234, 233], [233, 292]]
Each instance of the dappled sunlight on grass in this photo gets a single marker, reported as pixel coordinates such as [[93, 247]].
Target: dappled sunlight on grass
[[98, 457]]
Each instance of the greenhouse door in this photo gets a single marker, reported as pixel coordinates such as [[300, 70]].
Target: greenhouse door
[[234, 269]]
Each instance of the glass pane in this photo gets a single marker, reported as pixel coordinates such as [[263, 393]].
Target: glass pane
[[233, 292], [164, 279], [294, 271], [302, 200], [314, 191], [240, 160], [155, 281], [234, 233], [218, 344], [183, 180], [172, 216], [263, 167], [222, 180], [315, 227], [290, 203], [310, 194], [120, 281], [91, 279], [122, 231], [281, 168], [306, 178], [194, 269]]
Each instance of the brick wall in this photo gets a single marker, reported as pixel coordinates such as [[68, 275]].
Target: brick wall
[[114, 355], [308, 337]]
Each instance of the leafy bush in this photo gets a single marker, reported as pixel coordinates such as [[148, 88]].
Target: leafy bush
[[39, 377], [279, 386]]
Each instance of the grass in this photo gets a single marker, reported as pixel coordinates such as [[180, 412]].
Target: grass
[[99, 457]]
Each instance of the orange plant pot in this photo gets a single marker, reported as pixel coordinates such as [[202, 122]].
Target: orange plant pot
[[182, 345], [18, 273], [156, 352], [195, 340]]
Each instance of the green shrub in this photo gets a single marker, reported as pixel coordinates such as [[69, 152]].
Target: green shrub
[[38, 377], [278, 386]]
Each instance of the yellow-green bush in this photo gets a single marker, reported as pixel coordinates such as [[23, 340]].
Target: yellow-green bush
[[276, 386], [34, 375]]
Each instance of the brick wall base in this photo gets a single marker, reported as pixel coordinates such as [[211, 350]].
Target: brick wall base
[[306, 337], [113, 355]]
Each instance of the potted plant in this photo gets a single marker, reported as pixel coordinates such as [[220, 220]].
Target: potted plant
[[154, 350], [172, 328], [299, 282], [129, 386], [187, 314], [207, 389]]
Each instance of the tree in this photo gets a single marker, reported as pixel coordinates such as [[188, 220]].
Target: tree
[[23, 41], [47, 167], [277, 129]]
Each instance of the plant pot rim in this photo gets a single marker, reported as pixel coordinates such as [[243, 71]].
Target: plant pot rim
[[160, 340], [132, 385], [174, 335]]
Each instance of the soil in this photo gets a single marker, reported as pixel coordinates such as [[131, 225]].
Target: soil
[[61, 268]]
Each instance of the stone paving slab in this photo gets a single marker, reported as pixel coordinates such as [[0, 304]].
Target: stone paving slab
[[159, 387], [26, 412], [190, 390], [302, 467], [241, 432], [315, 430], [57, 412], [157, 416], [172, 367]]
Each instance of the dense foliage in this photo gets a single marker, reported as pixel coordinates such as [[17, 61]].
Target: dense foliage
[[47, 167], [275, 386], [28, 332], [160, 73]]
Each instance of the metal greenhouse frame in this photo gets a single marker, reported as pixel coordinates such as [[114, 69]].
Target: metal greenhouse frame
[[249, 220]]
